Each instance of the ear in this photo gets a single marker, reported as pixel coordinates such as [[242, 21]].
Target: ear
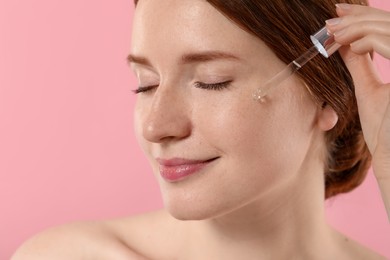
[[327, 118]]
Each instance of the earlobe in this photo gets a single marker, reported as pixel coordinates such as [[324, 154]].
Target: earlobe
[[327, 118]]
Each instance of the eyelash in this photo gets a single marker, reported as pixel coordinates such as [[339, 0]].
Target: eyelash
[[213, 86], [201, 85], [143, 89]]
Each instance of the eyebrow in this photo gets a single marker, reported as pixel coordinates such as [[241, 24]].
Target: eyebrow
[[188, 58]]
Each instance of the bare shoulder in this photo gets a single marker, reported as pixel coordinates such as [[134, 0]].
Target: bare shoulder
[[155, 235], [82, 240], [361, 252], [354, 250]]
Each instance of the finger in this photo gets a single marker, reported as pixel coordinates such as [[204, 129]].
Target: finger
[[360, 29], [369, 91], [346, 34], [362, 14], [377, 43], [361, 10], [363, 72]]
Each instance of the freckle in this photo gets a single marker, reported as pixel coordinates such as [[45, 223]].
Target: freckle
[[346, 239]]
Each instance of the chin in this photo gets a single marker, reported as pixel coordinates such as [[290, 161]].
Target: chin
[[203, 199], [190, 214], [196, 209]]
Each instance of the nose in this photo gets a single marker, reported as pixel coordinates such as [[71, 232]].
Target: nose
[[168, 116]]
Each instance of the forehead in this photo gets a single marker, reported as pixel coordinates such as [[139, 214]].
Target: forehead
[[188, 25]]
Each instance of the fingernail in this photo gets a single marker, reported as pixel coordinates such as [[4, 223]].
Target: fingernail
[[339, 33], [334, 21], [343, 6]]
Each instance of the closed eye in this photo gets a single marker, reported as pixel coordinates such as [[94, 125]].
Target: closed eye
[[213, 86], [144, 89], [201, 85]]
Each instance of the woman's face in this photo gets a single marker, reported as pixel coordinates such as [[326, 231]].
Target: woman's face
[[212, 147]]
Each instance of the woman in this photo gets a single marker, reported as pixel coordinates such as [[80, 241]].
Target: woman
[[242, 179]]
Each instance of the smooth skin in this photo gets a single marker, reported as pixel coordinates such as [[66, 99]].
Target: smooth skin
[[283, 218]]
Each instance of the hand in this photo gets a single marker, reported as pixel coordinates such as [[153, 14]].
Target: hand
[[362, 30]]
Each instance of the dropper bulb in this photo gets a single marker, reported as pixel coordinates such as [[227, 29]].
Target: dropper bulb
[[324, 42]]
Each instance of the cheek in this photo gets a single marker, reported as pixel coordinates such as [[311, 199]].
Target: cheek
[[259, 134], [237, 125]]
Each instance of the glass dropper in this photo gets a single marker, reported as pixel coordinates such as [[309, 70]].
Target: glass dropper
[[324, 43]]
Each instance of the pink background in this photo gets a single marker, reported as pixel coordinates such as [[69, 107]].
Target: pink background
[[67, 144]]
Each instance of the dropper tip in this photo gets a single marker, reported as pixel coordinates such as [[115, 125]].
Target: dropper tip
[[259, 96]]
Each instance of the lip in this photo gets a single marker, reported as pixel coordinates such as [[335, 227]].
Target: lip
[[177, 169]]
